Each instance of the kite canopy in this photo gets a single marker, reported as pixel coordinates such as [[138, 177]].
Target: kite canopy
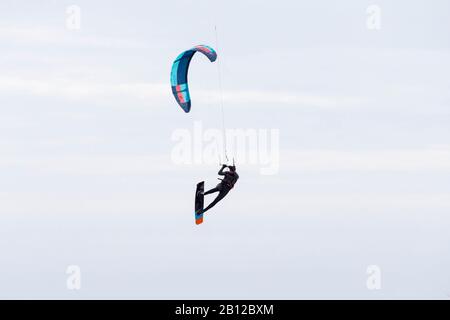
[[178, 75]]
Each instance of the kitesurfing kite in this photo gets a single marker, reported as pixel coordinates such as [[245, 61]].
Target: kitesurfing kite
[[178, 76], [180, 90]]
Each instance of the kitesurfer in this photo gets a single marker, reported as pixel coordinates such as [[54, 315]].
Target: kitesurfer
[[227, 183]]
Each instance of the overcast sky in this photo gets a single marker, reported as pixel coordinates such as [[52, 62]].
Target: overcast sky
[[87, 176]]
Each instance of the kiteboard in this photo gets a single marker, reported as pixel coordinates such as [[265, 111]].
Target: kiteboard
[[199, 202]]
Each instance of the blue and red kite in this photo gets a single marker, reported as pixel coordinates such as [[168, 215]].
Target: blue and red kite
[[178, 75]]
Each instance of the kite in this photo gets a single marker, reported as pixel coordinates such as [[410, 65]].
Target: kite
[[179, 73]]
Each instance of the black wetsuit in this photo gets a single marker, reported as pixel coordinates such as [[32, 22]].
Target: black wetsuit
[[230, 178]]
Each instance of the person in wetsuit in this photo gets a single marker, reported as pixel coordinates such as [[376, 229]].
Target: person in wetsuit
[[230, 178]]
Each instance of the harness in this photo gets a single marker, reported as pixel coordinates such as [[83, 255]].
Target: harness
[[229, 184]]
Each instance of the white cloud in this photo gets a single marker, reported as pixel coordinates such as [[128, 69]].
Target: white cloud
[[277, 98], [73, 89], [63, 37], [427, 159], [294, 162], [108, 164], [65, 87]]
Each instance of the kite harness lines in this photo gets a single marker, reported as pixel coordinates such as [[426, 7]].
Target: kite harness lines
[[180, 90]]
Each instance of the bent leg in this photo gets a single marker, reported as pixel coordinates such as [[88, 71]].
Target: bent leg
[[211, 191], [221, 195]]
